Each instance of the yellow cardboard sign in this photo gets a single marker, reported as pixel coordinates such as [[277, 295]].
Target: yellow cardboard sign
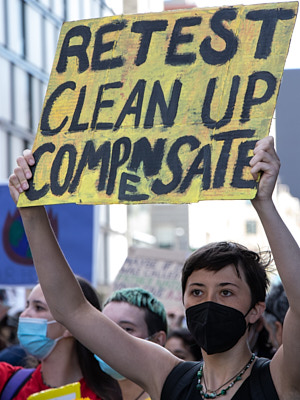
[[160, 107], [67, 392]]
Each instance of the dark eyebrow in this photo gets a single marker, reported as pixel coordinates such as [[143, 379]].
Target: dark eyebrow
[[38, 302], [127, 322], [220, 284], [196, 284], [228, 284]]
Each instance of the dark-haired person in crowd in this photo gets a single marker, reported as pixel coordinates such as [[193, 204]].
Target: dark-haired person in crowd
[[181, 343], [224, 286], [142, 315], [277, 305], [259, 340], [12, 353], [63, 359]]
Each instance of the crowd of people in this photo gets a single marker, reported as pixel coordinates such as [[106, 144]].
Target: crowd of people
[[126, 346], [137, 312], [60, 358]]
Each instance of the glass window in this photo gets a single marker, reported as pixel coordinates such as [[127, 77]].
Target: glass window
[[51, 40], [118, 218], [4, 154], [43, 89], [116, 6], [14, 24], [2, 22], [251, 227], [105, 12], [33, 32], [21, 100], [73, 10], [58, 8], [95, 9], [165, 236], [116, 258], [17, 147], [36, 103], [46, 3], [5, 90]]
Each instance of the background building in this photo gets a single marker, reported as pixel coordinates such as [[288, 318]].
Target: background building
[[29, 31]]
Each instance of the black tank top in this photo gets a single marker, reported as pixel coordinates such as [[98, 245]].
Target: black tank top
[[182, 381]]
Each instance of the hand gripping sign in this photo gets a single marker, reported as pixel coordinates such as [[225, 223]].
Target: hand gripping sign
[[160, 108]]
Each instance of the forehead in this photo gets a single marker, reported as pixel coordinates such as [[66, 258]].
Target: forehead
[[226, 274], [37, 294], [120, 311], [175, 343]]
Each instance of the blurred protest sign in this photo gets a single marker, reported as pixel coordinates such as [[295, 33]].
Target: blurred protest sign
[[160, 107], [16, 265], [156, 270]]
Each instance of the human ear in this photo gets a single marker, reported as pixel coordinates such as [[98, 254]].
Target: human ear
[[160, 338], [256, 311], [278, 332], [67, 334]]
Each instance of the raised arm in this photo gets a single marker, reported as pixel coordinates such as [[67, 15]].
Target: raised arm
[[285, 365], [141, 361]]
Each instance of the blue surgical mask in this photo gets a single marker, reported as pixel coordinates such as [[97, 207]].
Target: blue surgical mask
[[109, 370], [32, 335]]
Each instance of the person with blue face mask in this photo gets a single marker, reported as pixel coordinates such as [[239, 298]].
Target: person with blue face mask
[[36, 333], [142, 315], [61, 358]]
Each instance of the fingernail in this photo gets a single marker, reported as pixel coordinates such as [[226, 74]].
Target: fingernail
[[25, 185], [28, 175]]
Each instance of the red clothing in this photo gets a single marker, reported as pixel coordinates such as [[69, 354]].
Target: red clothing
[[35, 383]]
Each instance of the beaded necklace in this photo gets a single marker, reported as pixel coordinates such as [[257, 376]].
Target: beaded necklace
[[214, 393]]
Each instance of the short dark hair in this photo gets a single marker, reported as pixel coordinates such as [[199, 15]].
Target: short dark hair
[[215, 256], [277, 304], [155, 313]]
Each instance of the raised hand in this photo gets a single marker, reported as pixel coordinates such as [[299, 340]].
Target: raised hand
[[265, 161], [18, 181]]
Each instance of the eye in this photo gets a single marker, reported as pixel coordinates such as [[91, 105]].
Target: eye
[[226, 293], [128, 329], [196, 292], [39, 308]]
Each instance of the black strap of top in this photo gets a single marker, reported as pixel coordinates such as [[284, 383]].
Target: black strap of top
[[179, 379], [182, 380], [261, 383]]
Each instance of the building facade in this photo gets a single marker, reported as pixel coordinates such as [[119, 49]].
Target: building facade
[[29, 30]]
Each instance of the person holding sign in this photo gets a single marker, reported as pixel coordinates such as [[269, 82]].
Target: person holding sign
[[63, 360], [224, 288]]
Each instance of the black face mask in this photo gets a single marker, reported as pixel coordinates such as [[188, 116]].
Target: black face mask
[[216, 328]]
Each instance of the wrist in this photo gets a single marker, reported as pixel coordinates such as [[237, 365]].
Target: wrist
[[31, 213], [261, 205]]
